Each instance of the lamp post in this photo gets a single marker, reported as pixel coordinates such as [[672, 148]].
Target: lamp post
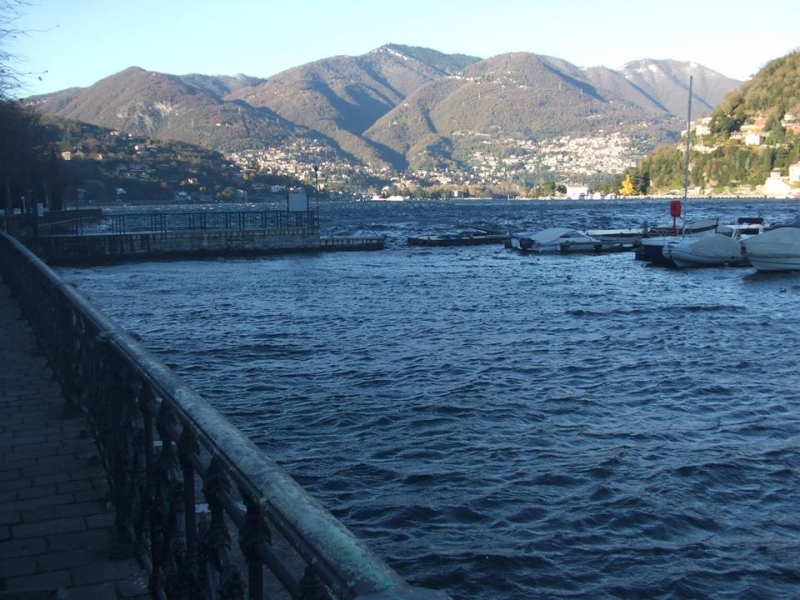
[[315, 166]]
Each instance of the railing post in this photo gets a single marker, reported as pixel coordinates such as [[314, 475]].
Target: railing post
[[189, 569], [311, 587], [253, 532], [119, 447], [163, 518], [188, 447], [170, 573], [150, 525], [65, 358], [221, 576]]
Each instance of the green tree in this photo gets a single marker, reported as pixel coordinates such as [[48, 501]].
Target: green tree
[[725, 124], [775, 133], [641, 182], [664, 168], [545, 189]]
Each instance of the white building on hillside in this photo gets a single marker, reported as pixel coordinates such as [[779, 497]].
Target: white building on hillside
[[775, 186], [753, 139], [794, 173]]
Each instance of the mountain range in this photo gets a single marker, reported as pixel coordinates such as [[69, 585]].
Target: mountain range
[[402, 108]]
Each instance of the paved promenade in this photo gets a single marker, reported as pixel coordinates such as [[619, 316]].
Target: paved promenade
[[55, 522]]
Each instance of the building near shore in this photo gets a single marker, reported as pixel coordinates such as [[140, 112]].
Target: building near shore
[[776, 187], [577, 192]]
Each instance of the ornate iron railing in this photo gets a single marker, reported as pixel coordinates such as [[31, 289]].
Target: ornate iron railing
[[164, 447]]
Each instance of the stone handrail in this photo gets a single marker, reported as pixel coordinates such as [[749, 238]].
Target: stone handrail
[[164, 447]]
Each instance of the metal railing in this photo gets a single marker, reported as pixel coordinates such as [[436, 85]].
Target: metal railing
[[164, 447], [277, 221]]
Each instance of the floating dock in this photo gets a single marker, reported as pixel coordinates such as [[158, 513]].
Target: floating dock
[[335, 243], [458, 240]]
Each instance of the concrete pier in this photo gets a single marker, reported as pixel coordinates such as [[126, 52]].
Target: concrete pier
[[190, 235]]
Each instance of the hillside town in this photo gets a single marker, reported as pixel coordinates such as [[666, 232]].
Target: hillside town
[[504, 166], [501, 164]]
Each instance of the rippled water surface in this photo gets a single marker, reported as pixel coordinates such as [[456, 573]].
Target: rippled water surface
[[508, 426]]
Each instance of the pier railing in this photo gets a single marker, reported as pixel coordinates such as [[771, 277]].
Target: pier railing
[[185, 482], [278, 221]]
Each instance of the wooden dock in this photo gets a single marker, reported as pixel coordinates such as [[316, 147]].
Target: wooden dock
[[338, 243], [458, 240]]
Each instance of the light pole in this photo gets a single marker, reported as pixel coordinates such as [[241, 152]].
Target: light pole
[[315, 166]]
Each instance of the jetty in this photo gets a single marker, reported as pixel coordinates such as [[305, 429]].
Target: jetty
[[98, 237]]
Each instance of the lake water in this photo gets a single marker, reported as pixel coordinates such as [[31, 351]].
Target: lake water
[[507, 426]]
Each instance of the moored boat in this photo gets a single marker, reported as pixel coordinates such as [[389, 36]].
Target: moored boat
[[652, 246], [628, 238], [714, 250], [775, 250], [466, 239], [718, 249], [563, 240]]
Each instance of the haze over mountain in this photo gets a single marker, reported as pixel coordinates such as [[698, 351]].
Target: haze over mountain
[[401, 107]]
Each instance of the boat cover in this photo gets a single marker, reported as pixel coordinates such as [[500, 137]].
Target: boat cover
[[708, 250], [781, 242], [554, 234], [712, 246]]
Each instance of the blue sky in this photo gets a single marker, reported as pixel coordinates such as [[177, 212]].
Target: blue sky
[[75, 43]]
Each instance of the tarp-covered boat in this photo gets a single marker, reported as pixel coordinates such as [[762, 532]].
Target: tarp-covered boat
[[775, 250]]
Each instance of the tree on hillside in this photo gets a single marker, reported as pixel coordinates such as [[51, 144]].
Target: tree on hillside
[[725, 124], [664, 168]]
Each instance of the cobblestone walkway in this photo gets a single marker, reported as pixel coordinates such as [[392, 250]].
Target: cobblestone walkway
[[55, 521]]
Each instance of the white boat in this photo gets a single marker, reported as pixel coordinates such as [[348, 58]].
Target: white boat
[[555, 240], [652, 247], [714, 250], [717, 249], [775, 250]]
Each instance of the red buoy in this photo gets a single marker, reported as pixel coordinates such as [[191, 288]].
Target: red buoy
[[675, 209]]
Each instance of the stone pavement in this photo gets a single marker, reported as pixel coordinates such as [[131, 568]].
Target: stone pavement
[[55, 520]]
